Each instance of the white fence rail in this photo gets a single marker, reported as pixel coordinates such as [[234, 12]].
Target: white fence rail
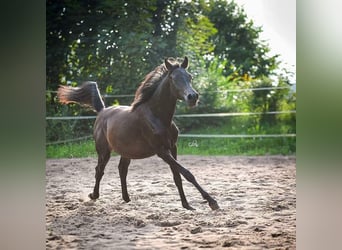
[[183, 115], [217, 91], [192, 116], [235, 136], [191, 135]]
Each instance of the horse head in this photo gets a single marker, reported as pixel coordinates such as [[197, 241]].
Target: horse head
[[181, 82]]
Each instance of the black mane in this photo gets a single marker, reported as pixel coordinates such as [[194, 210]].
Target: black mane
[[150, 84]]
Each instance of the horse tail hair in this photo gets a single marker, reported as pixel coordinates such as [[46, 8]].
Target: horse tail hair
[[87, 94]]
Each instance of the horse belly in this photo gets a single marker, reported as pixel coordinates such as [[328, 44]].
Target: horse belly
[[136, 151], [133, 149], [128, 142]]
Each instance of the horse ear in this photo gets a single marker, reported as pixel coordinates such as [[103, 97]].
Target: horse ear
[[168, 64], [185, 63]]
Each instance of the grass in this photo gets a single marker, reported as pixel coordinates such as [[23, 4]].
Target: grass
[[72, 150], [237, 146], [202, 146], [190, 146]]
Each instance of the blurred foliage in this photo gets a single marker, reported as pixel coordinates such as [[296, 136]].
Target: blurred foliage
[[116, 43]]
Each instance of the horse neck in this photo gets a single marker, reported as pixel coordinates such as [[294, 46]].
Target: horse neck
[[163, 102]]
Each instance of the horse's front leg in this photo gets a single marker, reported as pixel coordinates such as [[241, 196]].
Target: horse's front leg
[[176, 169], [189, 177], [178, 181]]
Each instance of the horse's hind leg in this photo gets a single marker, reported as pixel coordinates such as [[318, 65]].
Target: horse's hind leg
[[123, 169], [103, 158]]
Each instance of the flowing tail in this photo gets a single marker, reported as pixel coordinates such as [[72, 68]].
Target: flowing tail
[[88, 94]]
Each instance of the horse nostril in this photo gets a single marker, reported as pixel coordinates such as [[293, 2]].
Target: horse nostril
[[192, 96]]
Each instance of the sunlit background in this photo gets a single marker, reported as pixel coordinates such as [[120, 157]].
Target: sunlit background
[[278, 21]]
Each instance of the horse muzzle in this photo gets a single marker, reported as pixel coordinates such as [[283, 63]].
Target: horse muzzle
[[191, 99]]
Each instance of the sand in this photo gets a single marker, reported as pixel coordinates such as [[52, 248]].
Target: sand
[[256, 195]]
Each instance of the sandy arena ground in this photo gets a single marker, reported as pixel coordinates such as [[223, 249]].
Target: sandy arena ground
[[256, 195]]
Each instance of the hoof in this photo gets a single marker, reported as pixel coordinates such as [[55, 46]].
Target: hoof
[[188, 207], [92, 196], [213, 205], [126, 199]]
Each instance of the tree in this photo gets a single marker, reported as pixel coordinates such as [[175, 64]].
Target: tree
[[237, 41], [116, 43]]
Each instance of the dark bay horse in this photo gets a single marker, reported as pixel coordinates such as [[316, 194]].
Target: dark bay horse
[[143, 129]]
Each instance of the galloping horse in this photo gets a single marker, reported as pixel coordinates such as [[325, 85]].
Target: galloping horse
[[143, 129]]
